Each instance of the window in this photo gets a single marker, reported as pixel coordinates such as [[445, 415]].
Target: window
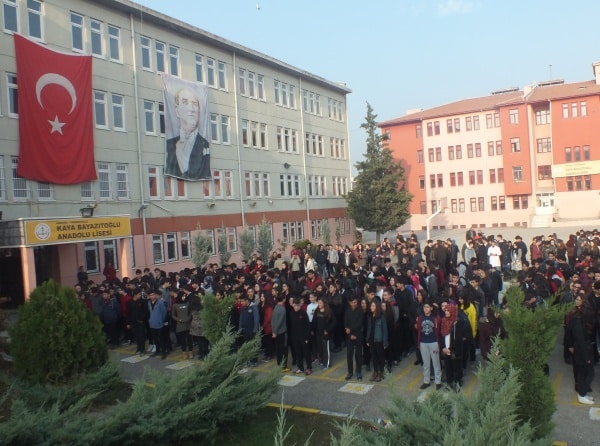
[[174, 60], [574, 109], [161, 118], [92, 261], [471, 177], [496, 119], [418, 131], [225, 138], [473, 204], [490, 148], [461, 205], [230, 238], [260, 87], [122, 181], [76, 32], [481, 204], [199, 58], [109, 248], [459, 179], [85, 190], [516, 202], [450, 152], [513, 116], [100, 109], [420, 159], [469, 150], [500, 175], [492, 176], [34, 18], [96, 37], [468, 123], [214, 128], [3, 195], [498, 147], [172, 254], [438, 153], [153, 184], [478, 150], [517, 174], [449, 128], [430, 129], [494, 203], [20, 185], [423, 207], [440, 180], [454, 205], [114, 43], [158, 249], [515, 145], [565, 111], [251, 85], [586, 153], [431, 154], [145, 44], [456, 125], [542, 117], [104, 181], [422, 182], [577, 153], [210, 72], [452, 179], [45, 191], [436, 127], [289, 185], [489, 121], [502, 202], [432, 180], [583, 108], [13, 95], [480, 177], [588, 182], [221, 75], [476, 122], [544, 145], [570, 183], [544, 172], [149, 117], [11, 23], [118, 115], [186, 245], [458, 152], [434, 206], [568, 155], [159, 48]]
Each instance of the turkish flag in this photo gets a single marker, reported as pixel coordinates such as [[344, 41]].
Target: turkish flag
[[56, 128]]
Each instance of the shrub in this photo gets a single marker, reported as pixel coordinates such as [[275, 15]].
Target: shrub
[[215, 316], [56, 338]]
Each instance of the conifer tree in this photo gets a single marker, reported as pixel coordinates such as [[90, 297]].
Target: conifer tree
[[56, 338], [224, 254], [247, 243], [325, 231], [378, 201], [203, 247], [265, 240]]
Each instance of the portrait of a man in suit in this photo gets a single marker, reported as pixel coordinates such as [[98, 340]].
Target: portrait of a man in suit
[[188, 152]]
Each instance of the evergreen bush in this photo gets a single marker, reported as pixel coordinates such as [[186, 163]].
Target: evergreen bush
[[215, 316], [265, 240], [528, 347], [55, 337], [247, 243]]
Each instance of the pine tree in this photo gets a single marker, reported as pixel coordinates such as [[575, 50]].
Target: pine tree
[[325, 231], [203, 247], [265, 240], [378, 201], [224, 254], [528, 347], [247, 243]]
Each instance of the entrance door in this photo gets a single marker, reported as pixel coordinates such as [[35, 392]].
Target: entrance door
[[46, 263], [11, 279]]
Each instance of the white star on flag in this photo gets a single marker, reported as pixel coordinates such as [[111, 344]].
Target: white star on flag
[[56, 125]]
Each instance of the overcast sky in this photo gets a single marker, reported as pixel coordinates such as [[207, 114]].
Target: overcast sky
[[407, 54]]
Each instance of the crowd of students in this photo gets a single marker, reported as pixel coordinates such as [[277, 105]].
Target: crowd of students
[[381, 303]]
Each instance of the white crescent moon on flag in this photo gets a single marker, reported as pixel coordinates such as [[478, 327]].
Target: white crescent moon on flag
[[54, 78]]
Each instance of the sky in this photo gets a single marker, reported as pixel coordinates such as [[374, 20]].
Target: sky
[[400, 55]]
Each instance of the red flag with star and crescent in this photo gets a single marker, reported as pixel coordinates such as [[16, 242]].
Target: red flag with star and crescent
[[56, 128]]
